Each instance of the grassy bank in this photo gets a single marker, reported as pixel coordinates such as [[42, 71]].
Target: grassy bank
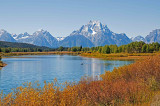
[[39, 53], [135, 84], [112, 56], [119, 56]]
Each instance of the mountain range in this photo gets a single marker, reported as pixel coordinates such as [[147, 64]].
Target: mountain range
[[92, 34], [153, 36]]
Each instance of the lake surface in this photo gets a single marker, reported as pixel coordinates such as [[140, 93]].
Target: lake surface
[[42, 68]]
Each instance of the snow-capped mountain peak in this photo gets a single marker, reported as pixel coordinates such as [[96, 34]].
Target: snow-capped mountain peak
[[20, 36], [96, 23], [41, 30], [93, 28], [5, 36], [138, 38], [100, 34], [98, 26], [25, 33], [153, 36], [2, 31]]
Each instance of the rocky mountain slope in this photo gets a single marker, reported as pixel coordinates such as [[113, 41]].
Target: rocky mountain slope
[[5, 36], [40, 38], [76, 40], [100, 34], [153, 36], [138, 38]]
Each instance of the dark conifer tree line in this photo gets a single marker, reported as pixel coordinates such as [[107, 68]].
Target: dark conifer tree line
[[134, 47]]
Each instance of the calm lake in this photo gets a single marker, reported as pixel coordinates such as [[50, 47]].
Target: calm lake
[[42, 68]]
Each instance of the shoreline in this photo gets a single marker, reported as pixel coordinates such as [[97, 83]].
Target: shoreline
[[37, 53], [112, 56], [2, 64], [119, 56]]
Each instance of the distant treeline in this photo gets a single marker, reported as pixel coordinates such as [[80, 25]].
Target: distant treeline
[[20, 47], [10, 49], [134, 47], [4, 44]]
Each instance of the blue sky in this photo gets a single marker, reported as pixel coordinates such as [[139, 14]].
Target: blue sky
[[61, 17]]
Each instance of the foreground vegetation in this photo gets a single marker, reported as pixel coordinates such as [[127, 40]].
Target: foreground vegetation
[[135, 84]]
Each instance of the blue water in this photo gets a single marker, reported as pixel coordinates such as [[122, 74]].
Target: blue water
[[47, 67]]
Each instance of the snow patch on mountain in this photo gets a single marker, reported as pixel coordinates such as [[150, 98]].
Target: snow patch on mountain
[[21, 36], [60, 38]]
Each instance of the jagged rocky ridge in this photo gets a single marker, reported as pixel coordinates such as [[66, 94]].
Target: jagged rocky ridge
[[100, 34], [39, 38]]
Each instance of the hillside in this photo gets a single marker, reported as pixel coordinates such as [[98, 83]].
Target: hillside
[[4, 44]]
